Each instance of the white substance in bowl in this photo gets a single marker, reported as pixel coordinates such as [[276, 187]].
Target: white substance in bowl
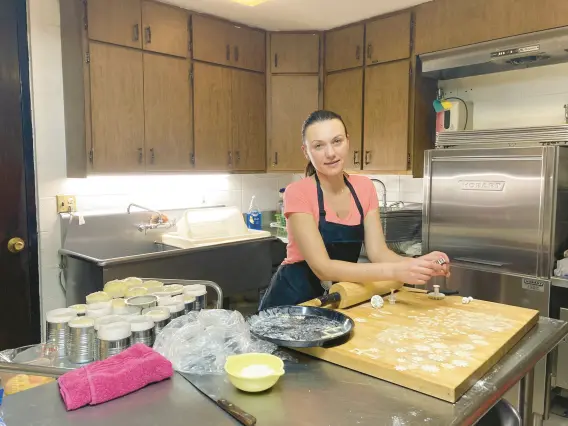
[[256, 370]]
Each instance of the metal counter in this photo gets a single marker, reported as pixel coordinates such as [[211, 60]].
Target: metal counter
[[311, 393]]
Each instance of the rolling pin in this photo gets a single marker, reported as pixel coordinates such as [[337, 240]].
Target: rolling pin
[[346, 294]]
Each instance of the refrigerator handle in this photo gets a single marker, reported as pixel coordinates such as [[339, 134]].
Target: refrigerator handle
[[479, 261]]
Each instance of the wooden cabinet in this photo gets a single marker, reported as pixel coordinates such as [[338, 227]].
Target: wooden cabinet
[[212, 117], [343, 94], [248, 97], [115, 21], [444, 24], [230, 122], [223, 43], [165, 29], [294, 53], [387, 88], [117, 112], [388, 39], [249, 49], [344, 48], [140, 24], [292, 99], [167, 113]]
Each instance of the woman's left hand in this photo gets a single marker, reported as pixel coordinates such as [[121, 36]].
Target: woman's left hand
[[435, 256]]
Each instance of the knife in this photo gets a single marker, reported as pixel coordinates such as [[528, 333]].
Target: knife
[[234, 411]]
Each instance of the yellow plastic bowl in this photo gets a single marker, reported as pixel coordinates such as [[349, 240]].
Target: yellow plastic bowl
[[236, 363]]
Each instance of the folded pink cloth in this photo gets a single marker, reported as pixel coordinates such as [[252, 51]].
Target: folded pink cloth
[[114, 377]]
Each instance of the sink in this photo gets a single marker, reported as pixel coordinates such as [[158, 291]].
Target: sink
[[118, 250]]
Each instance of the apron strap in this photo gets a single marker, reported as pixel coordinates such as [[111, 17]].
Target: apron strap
[[320, 200], [321, 204], [357, 202]]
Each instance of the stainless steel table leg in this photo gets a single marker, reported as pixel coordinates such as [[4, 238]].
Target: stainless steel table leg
[[526, 399], [550, 359]]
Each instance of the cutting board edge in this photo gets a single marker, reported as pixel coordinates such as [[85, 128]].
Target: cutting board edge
[[461, 389]]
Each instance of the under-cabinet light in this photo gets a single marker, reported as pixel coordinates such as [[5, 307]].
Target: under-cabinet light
[[250, 3]]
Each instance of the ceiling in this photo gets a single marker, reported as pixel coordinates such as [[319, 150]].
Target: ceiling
[[291, 15]]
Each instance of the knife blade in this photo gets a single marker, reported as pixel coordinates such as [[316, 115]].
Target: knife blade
[[234, 411]]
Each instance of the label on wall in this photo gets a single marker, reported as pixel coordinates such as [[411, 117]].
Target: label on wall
[[533, 284]]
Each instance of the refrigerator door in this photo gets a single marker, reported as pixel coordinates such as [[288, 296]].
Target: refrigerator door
[[488, 209]]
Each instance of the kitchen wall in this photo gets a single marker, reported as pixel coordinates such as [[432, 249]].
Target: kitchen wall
[[115, 193], [528, 97]]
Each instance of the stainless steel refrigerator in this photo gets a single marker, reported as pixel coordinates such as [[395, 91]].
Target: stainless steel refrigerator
[[497, 203]]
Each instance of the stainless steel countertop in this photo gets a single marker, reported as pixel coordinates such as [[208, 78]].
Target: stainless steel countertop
[[311, 393]]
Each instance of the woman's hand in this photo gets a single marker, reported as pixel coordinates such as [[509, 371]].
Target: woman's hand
[[434, 257], [417, 271]]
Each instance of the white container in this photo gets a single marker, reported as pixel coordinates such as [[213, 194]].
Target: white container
[[143, 302], [161, 316], [199, 291], [176, 307], [108, 319], [97, 310], [142, 330], [112, 339], [81, 309]]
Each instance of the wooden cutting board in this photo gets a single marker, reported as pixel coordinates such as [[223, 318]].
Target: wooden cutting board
[[437, 347]]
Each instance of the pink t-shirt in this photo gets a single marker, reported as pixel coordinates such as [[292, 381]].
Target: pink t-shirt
[[302, 197]]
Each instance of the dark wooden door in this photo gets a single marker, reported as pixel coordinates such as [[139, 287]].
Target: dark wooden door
[[19, 282]]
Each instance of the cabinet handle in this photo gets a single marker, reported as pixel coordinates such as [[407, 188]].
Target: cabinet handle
[[238, 155], [152, 155], [230, 158], [275, 159], [148, 35], [358, 52], [367, 157], [236, 53], [140, 155], [228, 52], [369, 48], [356, 157], [276, 60], [136, 33]]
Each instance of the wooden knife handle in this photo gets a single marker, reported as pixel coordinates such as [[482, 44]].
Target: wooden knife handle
[[242, 416]]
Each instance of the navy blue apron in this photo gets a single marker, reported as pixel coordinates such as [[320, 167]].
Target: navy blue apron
[[296, 283]]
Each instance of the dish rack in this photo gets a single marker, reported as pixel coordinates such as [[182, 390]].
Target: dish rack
[[402, 227]]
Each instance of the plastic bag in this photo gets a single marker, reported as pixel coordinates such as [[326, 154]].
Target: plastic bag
[[200, 342]]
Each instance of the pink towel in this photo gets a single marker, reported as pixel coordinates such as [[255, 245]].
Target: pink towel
[[114, 377]]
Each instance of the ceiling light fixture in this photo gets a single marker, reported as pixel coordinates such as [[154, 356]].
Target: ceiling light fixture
[[250, 3]]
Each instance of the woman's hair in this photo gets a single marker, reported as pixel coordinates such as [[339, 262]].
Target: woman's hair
[[317, 117]]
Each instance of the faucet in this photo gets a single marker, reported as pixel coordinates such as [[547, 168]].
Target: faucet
[[384, 192], [159, 224]]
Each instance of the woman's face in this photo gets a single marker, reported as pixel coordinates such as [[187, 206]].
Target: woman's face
[[327, 146]]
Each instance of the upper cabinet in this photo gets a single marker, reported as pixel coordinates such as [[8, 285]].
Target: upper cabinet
[[293, 98], [444, 24], [223, 43], [294, 53], [165, 29], [117, 22], [388, 39], [344, 48], [141, 24]]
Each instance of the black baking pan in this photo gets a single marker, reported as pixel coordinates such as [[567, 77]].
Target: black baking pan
[[301, 326]]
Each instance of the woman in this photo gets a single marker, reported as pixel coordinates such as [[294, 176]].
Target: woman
[[329, 216]]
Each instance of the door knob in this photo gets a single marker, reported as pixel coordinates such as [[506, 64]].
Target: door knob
[[16, 245]]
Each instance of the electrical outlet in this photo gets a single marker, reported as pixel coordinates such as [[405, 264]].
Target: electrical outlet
[[66, 204]]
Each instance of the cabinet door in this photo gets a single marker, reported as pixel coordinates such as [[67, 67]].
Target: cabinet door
[[344, 95], [117, 22], [165, 29], [249, 120], [386, 117], [388, 39], [294, 53], [344, 48], [211, 40], [483, 20], [212, 117], [293, 98], [117, 108], [167, 113], [248, 49]]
